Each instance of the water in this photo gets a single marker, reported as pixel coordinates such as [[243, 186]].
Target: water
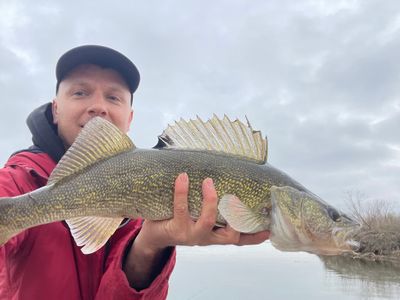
[[262, 272]]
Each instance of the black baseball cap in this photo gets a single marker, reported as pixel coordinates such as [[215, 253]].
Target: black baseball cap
[[101, 56]]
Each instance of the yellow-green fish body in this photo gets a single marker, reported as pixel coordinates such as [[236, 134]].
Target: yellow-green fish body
[[104, 178]]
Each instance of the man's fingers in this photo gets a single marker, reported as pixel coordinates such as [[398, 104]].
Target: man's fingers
[[227, 235], [254, 238], [208, 215], [181, 197]]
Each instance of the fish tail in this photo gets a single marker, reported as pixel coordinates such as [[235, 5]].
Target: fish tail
[[5, 226], [12, 221]]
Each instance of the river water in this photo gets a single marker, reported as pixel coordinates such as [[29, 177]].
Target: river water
[[262, 272]]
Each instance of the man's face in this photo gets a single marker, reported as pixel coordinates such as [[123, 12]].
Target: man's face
[[89, 91]]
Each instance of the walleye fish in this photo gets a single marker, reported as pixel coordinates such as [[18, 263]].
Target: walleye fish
[[103, 178]]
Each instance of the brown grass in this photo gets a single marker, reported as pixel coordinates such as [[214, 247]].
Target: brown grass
[[380, 227]]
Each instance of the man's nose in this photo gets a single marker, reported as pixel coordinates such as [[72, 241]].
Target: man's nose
[[97, 107]]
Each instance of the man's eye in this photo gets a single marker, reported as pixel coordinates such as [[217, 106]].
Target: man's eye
[[114, 98], [79, 93]]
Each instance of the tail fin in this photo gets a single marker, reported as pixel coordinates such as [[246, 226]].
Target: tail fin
[[7, 217]]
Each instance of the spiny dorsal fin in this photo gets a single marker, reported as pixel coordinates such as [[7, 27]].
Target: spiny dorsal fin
[[99, 139], [221, 135], [92, 232]]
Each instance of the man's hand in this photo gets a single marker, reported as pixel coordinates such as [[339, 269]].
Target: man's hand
[[145, 258]]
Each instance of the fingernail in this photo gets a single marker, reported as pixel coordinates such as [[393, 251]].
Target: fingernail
[[209, 182], [183, 177]]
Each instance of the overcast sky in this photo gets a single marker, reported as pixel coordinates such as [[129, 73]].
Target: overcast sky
[[320, 78]]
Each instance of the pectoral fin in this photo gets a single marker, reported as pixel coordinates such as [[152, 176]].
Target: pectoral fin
[[239, 216], [92, 232]]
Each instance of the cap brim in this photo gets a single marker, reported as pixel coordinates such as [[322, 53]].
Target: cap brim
[[102, 56]]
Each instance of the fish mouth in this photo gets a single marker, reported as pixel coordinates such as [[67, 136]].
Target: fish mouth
[[344, 238], [289, 235]]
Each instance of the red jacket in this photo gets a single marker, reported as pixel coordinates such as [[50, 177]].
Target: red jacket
[[44, 262]]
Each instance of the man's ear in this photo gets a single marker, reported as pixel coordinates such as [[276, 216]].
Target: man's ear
[[130, 120], [54, 110]]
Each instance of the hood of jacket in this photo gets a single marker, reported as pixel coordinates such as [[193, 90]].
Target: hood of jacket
[[44, 132]]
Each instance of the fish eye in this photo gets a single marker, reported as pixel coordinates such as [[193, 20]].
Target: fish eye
[[333, 214]]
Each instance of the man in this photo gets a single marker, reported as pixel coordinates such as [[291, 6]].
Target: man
[[44, 262]]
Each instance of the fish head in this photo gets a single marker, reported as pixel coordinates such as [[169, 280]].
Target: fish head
[[301, 221]]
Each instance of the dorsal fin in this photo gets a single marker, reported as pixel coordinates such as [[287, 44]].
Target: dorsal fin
[[99, 139], [221, 135]]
